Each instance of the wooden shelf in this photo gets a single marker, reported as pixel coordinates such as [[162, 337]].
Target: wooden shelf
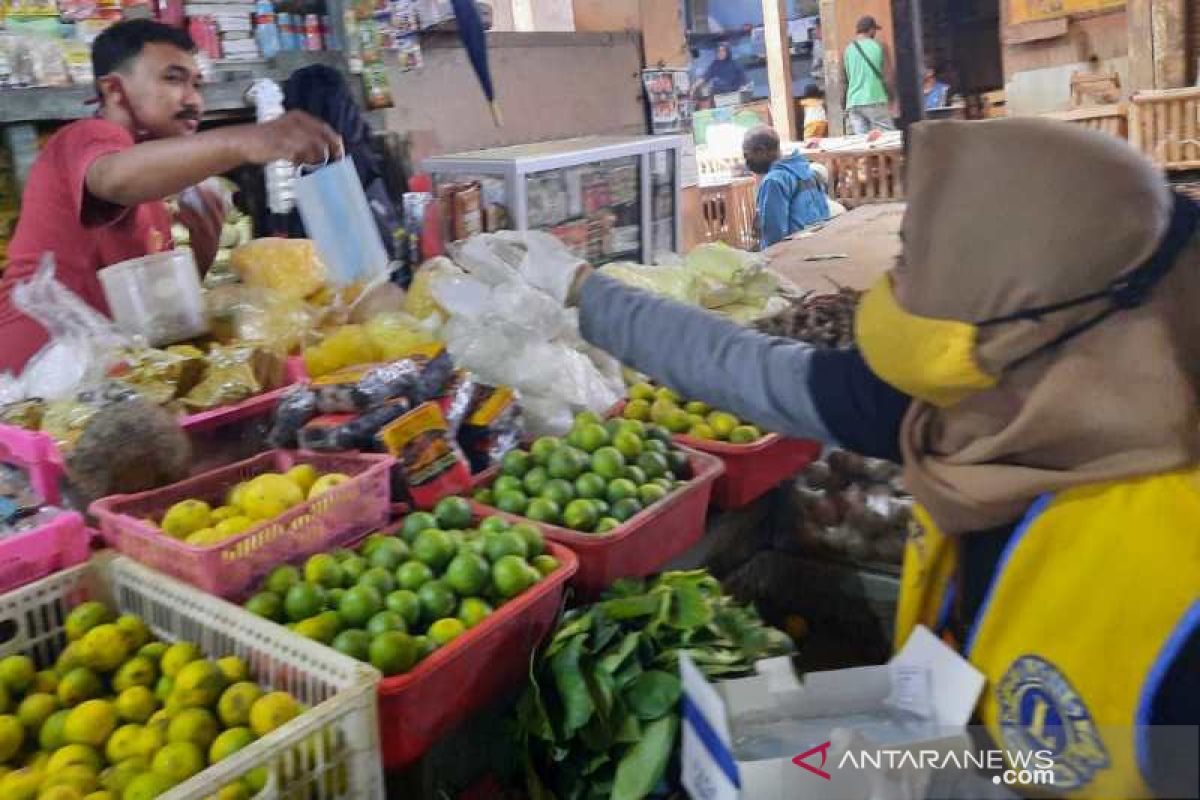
[[222, 98]]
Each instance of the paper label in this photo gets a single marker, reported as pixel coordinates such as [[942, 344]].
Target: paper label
[[420, 441]]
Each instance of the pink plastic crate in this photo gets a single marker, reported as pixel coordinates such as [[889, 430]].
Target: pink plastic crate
[[644, 543], [37, 454], [26, 557], [256, 406], [229, 569], [751, 470]]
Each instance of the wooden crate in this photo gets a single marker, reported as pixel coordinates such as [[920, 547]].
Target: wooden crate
[[1111, 119], [1165, 125], [858, 177], [728, 211]]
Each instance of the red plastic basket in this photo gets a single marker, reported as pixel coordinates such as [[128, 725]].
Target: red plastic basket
[[26, 557], [644, 543], [751, 470], [418, 708], [230, 568], [37, 454]]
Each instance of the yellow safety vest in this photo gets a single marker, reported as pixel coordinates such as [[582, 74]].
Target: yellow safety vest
[[1095, 587]]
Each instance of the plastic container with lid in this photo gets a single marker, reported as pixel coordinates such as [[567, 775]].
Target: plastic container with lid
[[156, 297]]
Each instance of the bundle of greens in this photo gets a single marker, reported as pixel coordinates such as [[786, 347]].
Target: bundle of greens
[[600, 718]]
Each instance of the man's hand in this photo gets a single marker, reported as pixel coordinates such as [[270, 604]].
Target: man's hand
[[204, 220], [296, 136]]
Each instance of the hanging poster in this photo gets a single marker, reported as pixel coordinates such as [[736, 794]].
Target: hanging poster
[[1034, 10]]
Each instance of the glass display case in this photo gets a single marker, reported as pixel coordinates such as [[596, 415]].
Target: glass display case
[[608, 198]]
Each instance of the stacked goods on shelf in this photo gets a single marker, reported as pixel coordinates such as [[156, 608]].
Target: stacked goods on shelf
[[853, 507], [120, 681], [601, 717], [232, 20]]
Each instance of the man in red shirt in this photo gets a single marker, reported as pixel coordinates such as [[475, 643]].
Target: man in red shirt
[[95, 194]]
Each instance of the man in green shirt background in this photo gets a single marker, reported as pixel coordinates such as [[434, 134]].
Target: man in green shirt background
[[866, 87]]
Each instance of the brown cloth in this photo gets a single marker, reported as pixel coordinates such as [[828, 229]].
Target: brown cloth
[[1017, 213]]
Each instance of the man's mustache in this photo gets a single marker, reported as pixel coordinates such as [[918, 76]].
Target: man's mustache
[[189, 113]]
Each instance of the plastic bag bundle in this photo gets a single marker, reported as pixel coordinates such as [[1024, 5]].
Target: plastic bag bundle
[[83, 343], [288, 266]]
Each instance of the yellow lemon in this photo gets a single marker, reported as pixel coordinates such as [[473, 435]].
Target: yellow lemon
[[327, 482], [12, 735], [203, 538], [137, 671], [78, 777], [59, 791], [198, 683], [233, 669], [269, 496], [234, 791], [137, 634], [101, 794], [17, 673], [84, 617], [103, 648], [303, 475], [78, 685], [72, 755], [118, 776], [222, 513], [176, 657], [90, 723], [177, 761], [186, 517], [194, 725], [271, 711], [124, 743], [36, 709], [147, 786], [229, 743], [136, 704], [234, 706], [21, 784], [45, 682], [233, 526]]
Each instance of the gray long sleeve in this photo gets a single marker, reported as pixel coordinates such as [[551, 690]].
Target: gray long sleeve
[[759, 378]]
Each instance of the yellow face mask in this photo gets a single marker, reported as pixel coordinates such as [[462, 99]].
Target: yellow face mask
[[929, 359]]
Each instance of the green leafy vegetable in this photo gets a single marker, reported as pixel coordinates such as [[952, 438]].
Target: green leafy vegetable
[[653, 694], [642, 767]]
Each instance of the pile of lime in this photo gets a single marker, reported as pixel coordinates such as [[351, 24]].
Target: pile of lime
[[400, 596], [263, 497], [662, 406], [592, 480], [123, 716]]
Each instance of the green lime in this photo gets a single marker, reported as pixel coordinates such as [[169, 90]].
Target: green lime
[[390, 553], [658, 432], [512, 502], [433, 547], [542, 449], [370, 543], [587, 418], [354, 643], [498, 544], [636, 474], [602, 506], [545, 564], [354, 566], [590, 437], [485, 497], [467, 574], [415, 523], [508, 483], [358, 605], [655, 465], [626, 508], [535, 480], [380, 579], [281, 579], [651, 493], [445, 631], [437, 601], [393, 652], [580, 515], [559, 490], [655, 446], [608, 463], [473, 610], [405, 603], [425, 646], [744, 434], [621, 489], [303, 600], [590, 485], [678, 461], [333, 597], [535, 543], [629, 443], [666, 483], [567, 463], [511, 576], [384, 621], [412, 575], [516, 463], [543, 509], [322, 628], [343, 553], [266, 605], [494, 524], [697, 407], [324, 570], [453, 512]]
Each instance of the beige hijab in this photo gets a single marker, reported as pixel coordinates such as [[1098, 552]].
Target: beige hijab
[[1018, 213]]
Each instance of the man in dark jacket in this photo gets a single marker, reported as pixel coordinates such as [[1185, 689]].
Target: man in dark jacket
[[790, 197]]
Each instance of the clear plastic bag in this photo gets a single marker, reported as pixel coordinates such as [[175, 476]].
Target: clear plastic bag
[[288, 266], [83, 344]]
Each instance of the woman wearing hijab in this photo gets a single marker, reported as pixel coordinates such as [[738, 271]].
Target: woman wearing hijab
[[1033, 360], [724, 75]]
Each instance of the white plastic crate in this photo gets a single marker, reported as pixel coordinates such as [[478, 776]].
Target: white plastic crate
[[329, 752]]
